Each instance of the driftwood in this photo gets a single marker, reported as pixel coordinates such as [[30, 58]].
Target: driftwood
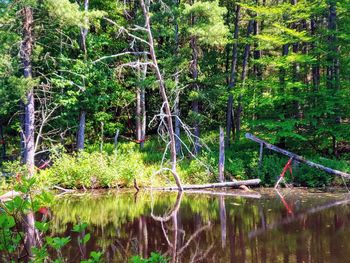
[[239, 193], [296, 157], [252, 182]]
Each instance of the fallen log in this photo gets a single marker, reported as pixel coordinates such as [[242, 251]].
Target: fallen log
[[239, 193], [252, 182], [296, 157]]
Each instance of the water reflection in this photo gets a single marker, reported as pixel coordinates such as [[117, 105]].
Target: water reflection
[[292, 226]]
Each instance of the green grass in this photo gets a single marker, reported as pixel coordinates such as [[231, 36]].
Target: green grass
[[110, 168]]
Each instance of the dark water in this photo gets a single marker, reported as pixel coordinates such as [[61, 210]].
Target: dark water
[[264, 227]]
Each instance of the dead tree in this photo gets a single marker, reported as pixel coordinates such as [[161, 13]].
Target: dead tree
[[162, 90], [296, 157], [141, 107], [29, 110], [246, 55], [82, 114]]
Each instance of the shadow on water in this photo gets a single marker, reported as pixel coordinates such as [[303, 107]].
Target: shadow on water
[[291, 226]]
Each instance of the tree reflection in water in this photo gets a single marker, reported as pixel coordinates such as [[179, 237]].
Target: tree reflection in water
[[206, 228]]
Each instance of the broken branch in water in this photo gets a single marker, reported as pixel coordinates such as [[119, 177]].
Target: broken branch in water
[[251, 182]]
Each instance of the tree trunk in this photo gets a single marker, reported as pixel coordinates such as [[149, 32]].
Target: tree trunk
[[232, 81], [195, 87], [163, 95], [332, 24], [315, 67], [296, 157], [243, 78], [221, 156], [29, 114], [141, 110], [177, 96], [2, 143], [81, 130], [82, 114], [177, 90]]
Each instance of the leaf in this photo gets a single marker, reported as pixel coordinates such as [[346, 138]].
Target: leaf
[[86, 238]]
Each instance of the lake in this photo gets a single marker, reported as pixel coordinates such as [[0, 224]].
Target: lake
[[263, 226]]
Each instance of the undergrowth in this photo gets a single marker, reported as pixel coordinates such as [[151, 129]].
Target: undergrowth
[[119, 167]]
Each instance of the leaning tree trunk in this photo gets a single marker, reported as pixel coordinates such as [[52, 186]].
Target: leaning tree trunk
[[232, 81], [163, 94], [243, 78], [29, 114], [82, 114]]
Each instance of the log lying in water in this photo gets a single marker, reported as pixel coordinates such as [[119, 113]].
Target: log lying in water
[[236, 184], [239, 193], [296, 157]]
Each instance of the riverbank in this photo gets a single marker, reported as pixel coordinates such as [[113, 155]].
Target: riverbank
[[119, 167]]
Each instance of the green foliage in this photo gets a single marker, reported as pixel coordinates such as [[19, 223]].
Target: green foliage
[[14, 237], [209, 25], [154, 258]]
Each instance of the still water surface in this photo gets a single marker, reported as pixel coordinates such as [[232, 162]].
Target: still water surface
[[265, 226]]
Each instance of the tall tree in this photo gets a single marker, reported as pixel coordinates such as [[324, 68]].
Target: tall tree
[[232, 79], [29, 111], [82, 114]]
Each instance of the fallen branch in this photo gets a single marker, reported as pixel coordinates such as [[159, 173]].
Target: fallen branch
[[296, 157], [251, 182], [239, 193]]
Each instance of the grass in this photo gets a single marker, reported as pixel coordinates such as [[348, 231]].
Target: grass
[[119, 168]]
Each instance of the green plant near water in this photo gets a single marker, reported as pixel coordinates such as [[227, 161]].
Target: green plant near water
[[154, 258], [25, 238]]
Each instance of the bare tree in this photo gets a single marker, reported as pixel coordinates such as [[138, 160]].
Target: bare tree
[[29, 114], [82, 114], [163, 94], [141, 106]]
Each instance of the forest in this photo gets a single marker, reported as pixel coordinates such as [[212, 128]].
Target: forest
[[102, 92], [139, 94]]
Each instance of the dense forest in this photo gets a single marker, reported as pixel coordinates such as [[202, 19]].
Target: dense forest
[[97, 91]]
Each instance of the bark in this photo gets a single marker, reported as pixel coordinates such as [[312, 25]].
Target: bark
[[84, 31], [232, 80], [82, 114], [2, 143], [177, 90], [236, 184], [331, 69], [315, 67], [163, 94], [296, 157], [243, 78], [141, 110], [221, 156], [30, 239], [257, 53], [29, 117], [81, 130], [195, 87]]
